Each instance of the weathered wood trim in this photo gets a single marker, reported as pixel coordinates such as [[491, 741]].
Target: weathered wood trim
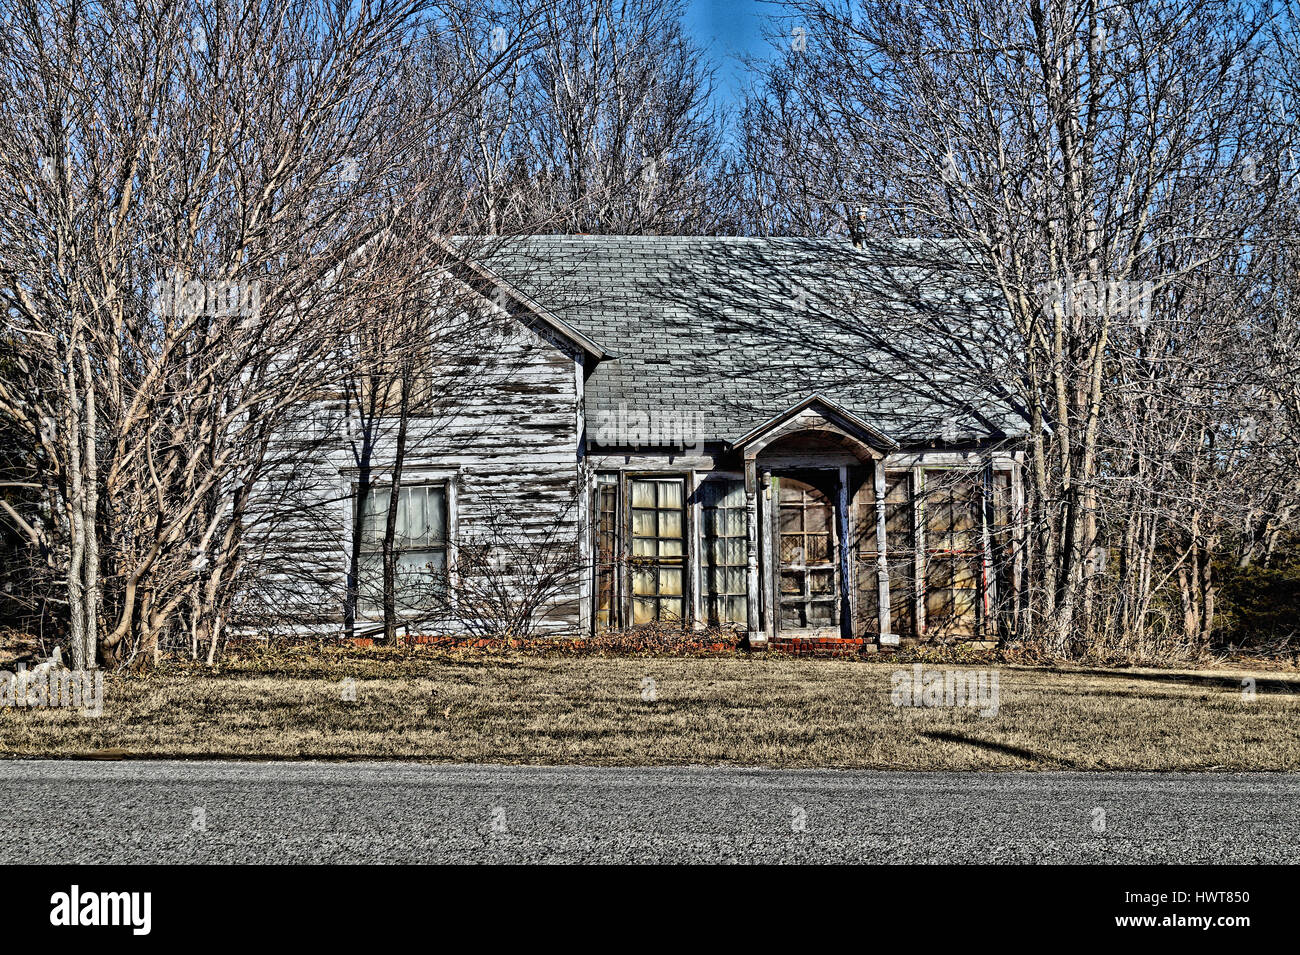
[[800, 417], [586, 487], [623, 569], [694, 555], [918, 544], [617, 600], [691, 557], [988, 584], [453, 540], [1018, 536], [483, 273]]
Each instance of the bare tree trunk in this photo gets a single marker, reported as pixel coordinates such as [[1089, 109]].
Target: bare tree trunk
[[360, 492], [90, 490], [407, 380], [80, 640]]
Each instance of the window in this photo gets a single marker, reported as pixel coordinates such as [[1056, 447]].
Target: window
[[658, 519], [420, 542], [954, 553], [606, 510], [900, 551], [724, 559]]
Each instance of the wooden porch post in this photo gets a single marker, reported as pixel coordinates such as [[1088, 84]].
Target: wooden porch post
[[887, 637], [848, 622], [988, 581], [766, 547]]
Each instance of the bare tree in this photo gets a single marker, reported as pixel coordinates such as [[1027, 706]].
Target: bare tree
[[190, 199], [1111, 173], [605, 124]]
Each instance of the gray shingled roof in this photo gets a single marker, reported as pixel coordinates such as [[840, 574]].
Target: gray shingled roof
[[728, 332]]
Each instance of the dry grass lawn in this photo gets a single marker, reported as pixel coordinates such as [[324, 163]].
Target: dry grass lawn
[[737, 710]]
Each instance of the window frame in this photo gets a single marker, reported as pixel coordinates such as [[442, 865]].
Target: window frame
[[1002, 536], [607, 562], [900, 555], [622, 611], [381, 478], [813, 478]]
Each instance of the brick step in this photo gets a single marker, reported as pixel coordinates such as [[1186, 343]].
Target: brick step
[[823, 646]]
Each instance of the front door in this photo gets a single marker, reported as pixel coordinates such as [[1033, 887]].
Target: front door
[[807, 554]]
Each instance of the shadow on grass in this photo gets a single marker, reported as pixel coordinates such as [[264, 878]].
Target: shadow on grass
[[947, 736], [1207, 680]]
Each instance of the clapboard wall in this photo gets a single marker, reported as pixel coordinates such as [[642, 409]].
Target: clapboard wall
[[503, 429]]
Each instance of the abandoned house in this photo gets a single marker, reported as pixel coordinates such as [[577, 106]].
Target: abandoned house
[[764, 434]]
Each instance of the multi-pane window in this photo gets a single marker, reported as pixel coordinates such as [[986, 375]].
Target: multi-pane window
[[723, 552], [419, 542], [658, 551], [606, 510], [900, 551], [954, 553]]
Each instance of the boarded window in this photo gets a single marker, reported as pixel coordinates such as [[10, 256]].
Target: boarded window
[[954, 556], [658, 551], [394, 357], [1002, 537], [606, 510], [900, 555], [419, 540], [724, 562]]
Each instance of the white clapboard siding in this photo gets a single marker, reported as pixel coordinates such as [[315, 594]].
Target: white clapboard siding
[[507, 438]]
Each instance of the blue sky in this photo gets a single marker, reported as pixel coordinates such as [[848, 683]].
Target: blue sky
[[727, 29]]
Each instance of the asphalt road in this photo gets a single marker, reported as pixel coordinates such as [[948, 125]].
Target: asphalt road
[[403, 812]]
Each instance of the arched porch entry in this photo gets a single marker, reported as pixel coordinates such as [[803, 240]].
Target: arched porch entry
[[814, 484]]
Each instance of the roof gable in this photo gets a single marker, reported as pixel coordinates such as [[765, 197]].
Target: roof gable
[[492, 288], [815, 412]]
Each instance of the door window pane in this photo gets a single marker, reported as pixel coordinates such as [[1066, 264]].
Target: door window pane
[[808, 572]]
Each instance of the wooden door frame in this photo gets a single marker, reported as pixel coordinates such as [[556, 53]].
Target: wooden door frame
[[836, 490]]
